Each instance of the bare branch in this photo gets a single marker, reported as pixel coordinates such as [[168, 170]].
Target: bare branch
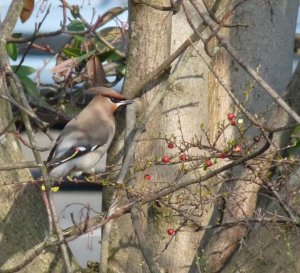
[[234, 54], [34, 252], [20, 97], [11, 17], [96, 35], [32, 41], [146, 250], [18, 165]]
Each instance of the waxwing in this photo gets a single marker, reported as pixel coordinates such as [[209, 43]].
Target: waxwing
[[87, 137]]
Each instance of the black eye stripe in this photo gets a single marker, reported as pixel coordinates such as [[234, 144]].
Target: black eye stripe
[[115, 100]]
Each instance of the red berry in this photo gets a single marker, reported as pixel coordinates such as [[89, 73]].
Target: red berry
[[232, 122], [256, 139], [183, 157], [171, 231], [222, 155], [208, 163], [147, 177], [237, 148], [166, 159], [171, 145], [230, 116]]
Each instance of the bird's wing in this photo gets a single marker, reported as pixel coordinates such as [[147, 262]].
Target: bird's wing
[[72, 153], [50, 156], [72, 150]]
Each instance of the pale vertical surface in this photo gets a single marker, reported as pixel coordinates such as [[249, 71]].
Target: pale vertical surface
[[188, 101], [149, 46], [266, 45], [185, 103], [269, 248], [184, 109]]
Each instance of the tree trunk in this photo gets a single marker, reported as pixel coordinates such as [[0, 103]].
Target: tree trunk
[[266, 42], [145, 54], [197, 98], [178, 117]]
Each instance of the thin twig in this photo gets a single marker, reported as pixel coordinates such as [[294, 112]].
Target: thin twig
[[96, 35], [36, 148], [199, 6], [20, 97], [28, 112], [32, 41], [143, 244], [18, 165], [131, 142], [282, 203]]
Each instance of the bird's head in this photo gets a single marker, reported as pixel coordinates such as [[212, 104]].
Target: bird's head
[[114, 98]]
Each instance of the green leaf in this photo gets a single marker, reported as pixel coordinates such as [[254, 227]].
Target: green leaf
[[72, 52], [76, 25], [12, 50], [115, 36], [85, 56], [114, 57], [296, 131], [24, 70], [29, 85], [79, 38], [107, 55], [294, 149], [122, 70], [33, 92]]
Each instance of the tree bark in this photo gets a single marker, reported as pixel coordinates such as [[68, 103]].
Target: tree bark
[[196, 98], [177, 117], [266, 42], [149, 46]]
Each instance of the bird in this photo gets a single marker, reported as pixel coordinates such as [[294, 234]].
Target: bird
[[86, 138]]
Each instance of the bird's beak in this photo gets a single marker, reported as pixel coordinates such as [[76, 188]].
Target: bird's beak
[[125, 102]]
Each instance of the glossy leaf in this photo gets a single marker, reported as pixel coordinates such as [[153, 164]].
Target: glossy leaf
[[122, 70], [33, 92], [76, 25], [107, 55], [72, 52], [24, 70], [12, 50], [29, 85], [77, 41], [115, 36]]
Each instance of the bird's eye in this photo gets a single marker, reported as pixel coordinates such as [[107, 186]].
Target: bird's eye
[[114, 100]]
